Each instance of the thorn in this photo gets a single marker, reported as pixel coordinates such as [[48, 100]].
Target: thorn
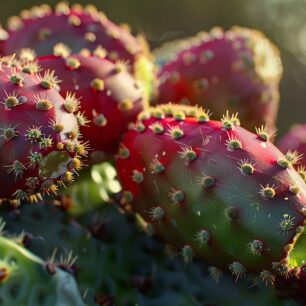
[[157, 128], [255, 247], [237, 269], [48, 79], [139, 127], [264, 133], [45, 143], [100, 120], [177, 196], [202, 237], [267, 192], [206, 181], [33, 134], [267, 277], [287, 223], [72, 63], [17, 168], [233, 143], [157, 167], [44, 105], [126, 198], [215, 273], [187, 254], [137, 177], [123, 152], [97, 84], [232, 213], [157, 213], [35, 158], [175, 132], [72, 103], [229, 121], [81, 118], [246, 167], [188, 154], [27, 55], [125, 105]]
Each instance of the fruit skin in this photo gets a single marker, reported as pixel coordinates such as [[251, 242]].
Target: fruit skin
[[27, 280], [237, 70], [109, 97], [118, 263], [41, 27], [295, 139], [214, 189], [38, 135], [81, 29]]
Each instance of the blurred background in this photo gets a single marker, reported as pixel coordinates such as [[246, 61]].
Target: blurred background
[[283, 21]]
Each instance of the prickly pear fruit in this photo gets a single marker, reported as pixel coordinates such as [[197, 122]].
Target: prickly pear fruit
[[214, 189], [39, 138], [41, 27], [109, 98], [80, 28], [295, 139], [27, 280], [238, 70]]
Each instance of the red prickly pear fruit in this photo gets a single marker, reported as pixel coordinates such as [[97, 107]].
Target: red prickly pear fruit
[[80, 28], [214, 189], [238, 70], [40, 28], [295, 140], [110, 98], [39, 143]]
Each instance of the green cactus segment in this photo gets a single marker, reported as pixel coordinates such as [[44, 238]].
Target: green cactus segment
[[94, 187], [25, 280], [251, 217], [103, 268], [123, 266], [297, 255]]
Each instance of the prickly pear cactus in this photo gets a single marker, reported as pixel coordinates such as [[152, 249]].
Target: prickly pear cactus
[[237, 70], [81, 29], [215, 190], [37, 133], [116, 264], [29, 281], [109, 98]]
